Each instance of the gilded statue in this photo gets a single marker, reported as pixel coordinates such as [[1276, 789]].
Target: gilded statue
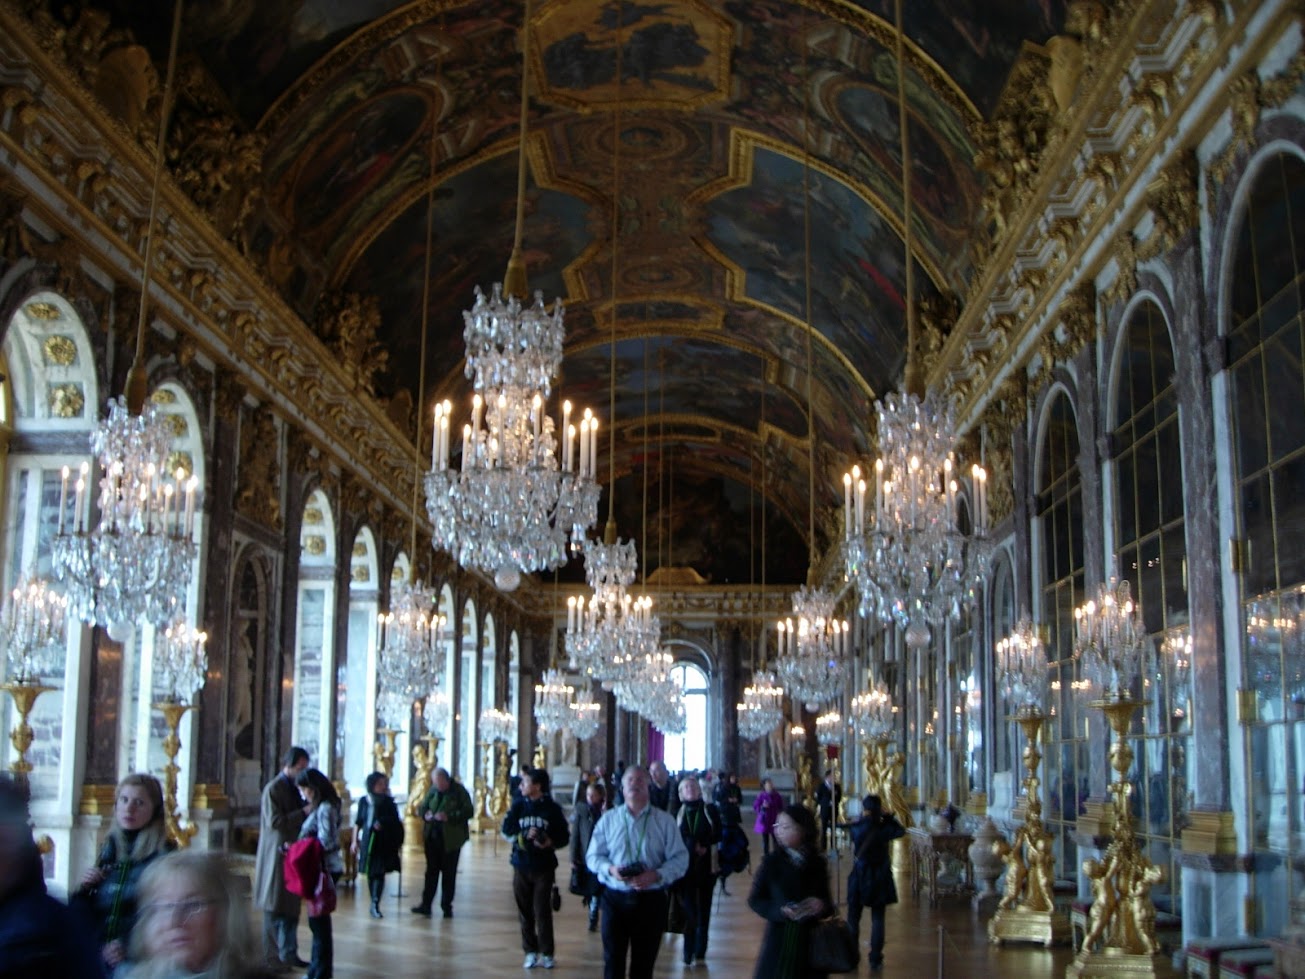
[[1099, 874], [1013, 886], [259, 481], [348, 324], [420, 780]]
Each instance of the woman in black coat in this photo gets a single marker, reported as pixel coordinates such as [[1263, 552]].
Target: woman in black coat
[[871, 884], [584, 818], [791, 891], [379, 836]]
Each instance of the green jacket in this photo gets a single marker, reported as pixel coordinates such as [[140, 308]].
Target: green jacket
[[456, 804]]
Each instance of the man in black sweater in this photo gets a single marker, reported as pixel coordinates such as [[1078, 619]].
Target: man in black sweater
[[537, 827]]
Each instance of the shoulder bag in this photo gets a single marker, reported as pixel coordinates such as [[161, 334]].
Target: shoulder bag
[[832, 946]]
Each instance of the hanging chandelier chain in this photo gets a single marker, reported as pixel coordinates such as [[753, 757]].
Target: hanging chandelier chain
[[914, 383]]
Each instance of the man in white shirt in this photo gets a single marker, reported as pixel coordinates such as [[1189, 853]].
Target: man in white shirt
[[637, 853]]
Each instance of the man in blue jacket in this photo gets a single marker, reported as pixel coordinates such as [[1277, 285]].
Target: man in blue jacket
[[536, 826]]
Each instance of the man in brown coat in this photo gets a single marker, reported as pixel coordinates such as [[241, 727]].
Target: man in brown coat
[[283, 811]]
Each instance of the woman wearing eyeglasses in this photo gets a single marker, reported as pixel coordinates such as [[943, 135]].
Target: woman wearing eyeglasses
[[109, 889], [192, 922]]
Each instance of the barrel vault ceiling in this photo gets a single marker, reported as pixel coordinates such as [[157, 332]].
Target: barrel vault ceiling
[[371, 108]]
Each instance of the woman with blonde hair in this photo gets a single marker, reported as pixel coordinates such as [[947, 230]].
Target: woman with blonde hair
[[139, 836], [193, 922]]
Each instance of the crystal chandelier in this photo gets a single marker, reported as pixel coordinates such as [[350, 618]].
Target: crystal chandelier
[[181, 661], [515, 499], [32, 630], [829, 729], [608, 635], [496, 725], [411, 652], [135, 563], [812, 649], [872, 712], [553, 702], [913, 565], [1022, 668], [762, 707], [1111, 640], [585, 711], [436, 712]]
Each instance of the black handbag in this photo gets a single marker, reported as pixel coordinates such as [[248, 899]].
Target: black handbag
[[832, 946], [557, 899]]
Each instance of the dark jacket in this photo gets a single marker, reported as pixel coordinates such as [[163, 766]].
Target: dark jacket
[[729, 800], [112, 904], [782, 881], [700, 825], [583, 821], [39, 937], [543, 815], [456, 805], [872, 870], [827, 800], [380, 834], [667, 797]]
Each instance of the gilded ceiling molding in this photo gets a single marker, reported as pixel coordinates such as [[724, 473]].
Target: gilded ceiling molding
[[258, 479], [231, 312], [347, 323], [1174, 199], [1149, 63]]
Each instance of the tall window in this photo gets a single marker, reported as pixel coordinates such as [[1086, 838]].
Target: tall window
[[689, 750], [1152, 551], [1266, 338], [1060, 538]]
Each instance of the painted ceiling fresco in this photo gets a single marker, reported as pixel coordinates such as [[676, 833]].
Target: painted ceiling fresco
[[723, 119]]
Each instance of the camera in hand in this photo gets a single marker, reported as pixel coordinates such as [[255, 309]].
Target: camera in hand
[[633, 869]]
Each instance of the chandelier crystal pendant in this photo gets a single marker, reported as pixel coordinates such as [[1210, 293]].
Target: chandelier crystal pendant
[[525, 485], [1022, 669], [872, 713], [496, 725], [181, 662], [585, 713], [32, 628], [135, 563], [1112, 641], [812, 649], [436, 712]]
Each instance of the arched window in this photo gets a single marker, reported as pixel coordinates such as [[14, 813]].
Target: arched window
[[1059, 509], [1151, 549], [689, 750], [465, 697], [315, 629], [356, 730], [1266, 337]]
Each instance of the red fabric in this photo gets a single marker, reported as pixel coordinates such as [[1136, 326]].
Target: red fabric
[[322, 902], [303, 866]]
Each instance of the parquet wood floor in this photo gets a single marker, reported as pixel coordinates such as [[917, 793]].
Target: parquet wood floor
[[483, 939]]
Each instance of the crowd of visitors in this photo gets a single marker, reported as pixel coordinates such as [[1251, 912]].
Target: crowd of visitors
[[646, 852]]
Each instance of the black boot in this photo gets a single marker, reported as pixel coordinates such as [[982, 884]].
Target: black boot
[[377, 887]]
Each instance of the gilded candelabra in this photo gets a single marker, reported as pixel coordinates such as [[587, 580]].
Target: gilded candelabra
[[806, 785], [498, 801], [1027, 912], [883, 777], [24, 694], [540, 760], [384, 750], [423, 767], [481, 821], [173, 712], [1122, 917]]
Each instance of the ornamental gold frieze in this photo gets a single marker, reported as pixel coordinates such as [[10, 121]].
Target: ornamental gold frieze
[[231, 313], [1127, 106]]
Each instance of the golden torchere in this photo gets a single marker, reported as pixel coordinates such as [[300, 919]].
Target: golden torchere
[[172, 713], [482, 820], [423, 764], [1122, 918], [21, 737], [1027, 911], [541, 757], [805, 783], [883, 777], [498, 801], [384, 749]]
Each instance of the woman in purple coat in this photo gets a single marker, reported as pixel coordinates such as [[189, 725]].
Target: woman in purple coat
[[767, 805]]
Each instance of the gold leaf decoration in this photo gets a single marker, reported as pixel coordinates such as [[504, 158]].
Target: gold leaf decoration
[[42, 311], [59, 350], [396, 574], [315, 545], [163, 397], [313, 516], [362, 573], [177, 425], [66, 400], [180, 460], [359, 549]]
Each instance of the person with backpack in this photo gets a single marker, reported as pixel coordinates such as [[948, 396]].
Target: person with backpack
[[700, 829], [323, 825], [379, 837], [871, 882]]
